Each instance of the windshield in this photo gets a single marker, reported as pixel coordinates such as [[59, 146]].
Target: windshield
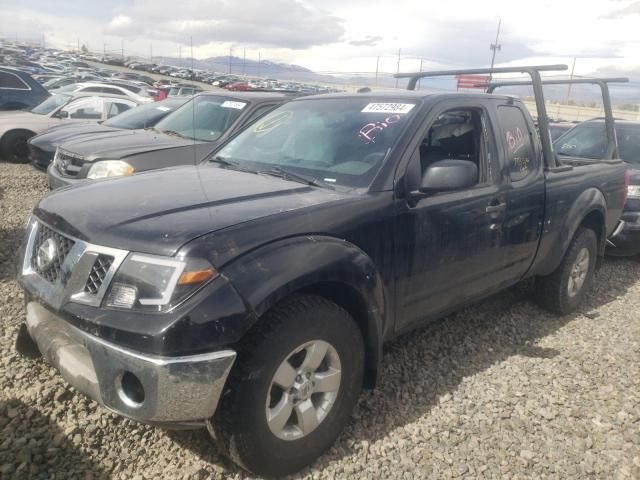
[[338, 141], [142, 117], [50, 104], [204, 118], [590, 140]]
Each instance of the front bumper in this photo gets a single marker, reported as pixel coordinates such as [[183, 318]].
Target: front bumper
[[625, 241], [56, 180], [170, 391]]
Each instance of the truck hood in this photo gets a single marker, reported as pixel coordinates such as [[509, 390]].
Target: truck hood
[[122, 144], [59, 134], [157, 212]]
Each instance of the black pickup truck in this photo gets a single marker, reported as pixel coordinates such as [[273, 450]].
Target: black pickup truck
[[252, 293]]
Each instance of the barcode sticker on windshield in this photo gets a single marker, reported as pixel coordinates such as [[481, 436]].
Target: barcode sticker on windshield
[[163, 109], [236, 105], [388, 108]]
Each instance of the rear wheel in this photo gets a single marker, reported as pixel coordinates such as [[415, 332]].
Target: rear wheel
[[293, 388], [14, 146], [564, 289]]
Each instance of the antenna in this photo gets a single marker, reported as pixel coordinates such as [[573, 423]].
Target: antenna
[[193, 106]]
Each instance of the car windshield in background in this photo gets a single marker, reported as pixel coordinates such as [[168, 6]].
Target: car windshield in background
[[141, 117], [590, 140], [50, 104], [337, 141], [204, 118]]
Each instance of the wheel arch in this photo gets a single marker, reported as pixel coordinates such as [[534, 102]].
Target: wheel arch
[[323, 266]]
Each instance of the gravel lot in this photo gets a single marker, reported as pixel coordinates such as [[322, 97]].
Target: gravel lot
[[500, 390]]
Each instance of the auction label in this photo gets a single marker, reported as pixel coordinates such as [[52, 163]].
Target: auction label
[[236, 105], [388, 108]]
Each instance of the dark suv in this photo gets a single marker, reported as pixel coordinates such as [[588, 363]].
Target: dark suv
[[18, 91]]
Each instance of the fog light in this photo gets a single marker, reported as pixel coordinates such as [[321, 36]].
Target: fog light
[[122, 295], [131, 390]]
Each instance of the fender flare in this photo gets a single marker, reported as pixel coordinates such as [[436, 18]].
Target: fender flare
[[590, 201], [276, 270]]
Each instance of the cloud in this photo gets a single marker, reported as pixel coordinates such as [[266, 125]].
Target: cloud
[[631, 9], [368, 41], [277, 23]]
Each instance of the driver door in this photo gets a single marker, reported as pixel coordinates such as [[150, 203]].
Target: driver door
[[449, 243]]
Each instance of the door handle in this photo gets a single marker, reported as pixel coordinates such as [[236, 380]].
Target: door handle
[[496, 208]]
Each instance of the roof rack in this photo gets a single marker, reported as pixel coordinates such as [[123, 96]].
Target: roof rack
[[533, 71], [603, 83]]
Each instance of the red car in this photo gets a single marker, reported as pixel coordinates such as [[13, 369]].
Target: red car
[[238, 86]]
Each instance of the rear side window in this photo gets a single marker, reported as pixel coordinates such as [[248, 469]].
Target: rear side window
[[518, 141], [13, 82]]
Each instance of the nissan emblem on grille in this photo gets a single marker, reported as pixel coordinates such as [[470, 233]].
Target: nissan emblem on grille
[[47, 253]]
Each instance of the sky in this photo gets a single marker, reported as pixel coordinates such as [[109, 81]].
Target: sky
[[344, 36]]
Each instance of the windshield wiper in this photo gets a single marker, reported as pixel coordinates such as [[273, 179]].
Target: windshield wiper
[[171, 132], [231, 164], [297, 177]]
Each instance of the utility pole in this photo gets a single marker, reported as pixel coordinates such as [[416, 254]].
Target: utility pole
[[398, 69], [244, 62], [123, 49], [259, 62], [78, 45], [230, 53], [573, 68], [151, 52], [377, 65], [180, 55], [496, 47], [420, 80], [104, 50]]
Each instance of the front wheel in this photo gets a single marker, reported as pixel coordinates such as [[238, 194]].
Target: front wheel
[[293, 388], [563, 290], [14, 146]]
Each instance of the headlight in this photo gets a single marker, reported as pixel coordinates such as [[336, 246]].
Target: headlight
[[155, 284], [633, 191], [110, 168]]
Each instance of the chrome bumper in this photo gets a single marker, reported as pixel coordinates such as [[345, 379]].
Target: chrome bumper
[[162, 390]]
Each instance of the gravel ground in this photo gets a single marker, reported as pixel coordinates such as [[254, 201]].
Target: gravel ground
[[500, 390]]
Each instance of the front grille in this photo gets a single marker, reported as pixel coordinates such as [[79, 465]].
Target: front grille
[[98, 273], [39, 157], [68, 164], [50, 270]]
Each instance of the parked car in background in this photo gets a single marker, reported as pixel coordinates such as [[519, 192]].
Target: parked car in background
[[18, 91], [238, 87], [42, 147], [185, 136], [139, 94], [183, 90], [557, 129], [18, 127], [589, 139]]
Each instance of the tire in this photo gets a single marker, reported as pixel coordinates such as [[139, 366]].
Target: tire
[[240, 425], [559, 292], [14, 146]]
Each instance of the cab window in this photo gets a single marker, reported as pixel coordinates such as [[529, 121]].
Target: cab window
[[461, 134], [517, 138]]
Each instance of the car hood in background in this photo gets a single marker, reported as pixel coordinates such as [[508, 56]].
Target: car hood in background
[[122, 144], [52, 138]]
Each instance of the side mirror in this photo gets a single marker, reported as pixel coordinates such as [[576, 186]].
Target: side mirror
[[62, 114], [449, 175]]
